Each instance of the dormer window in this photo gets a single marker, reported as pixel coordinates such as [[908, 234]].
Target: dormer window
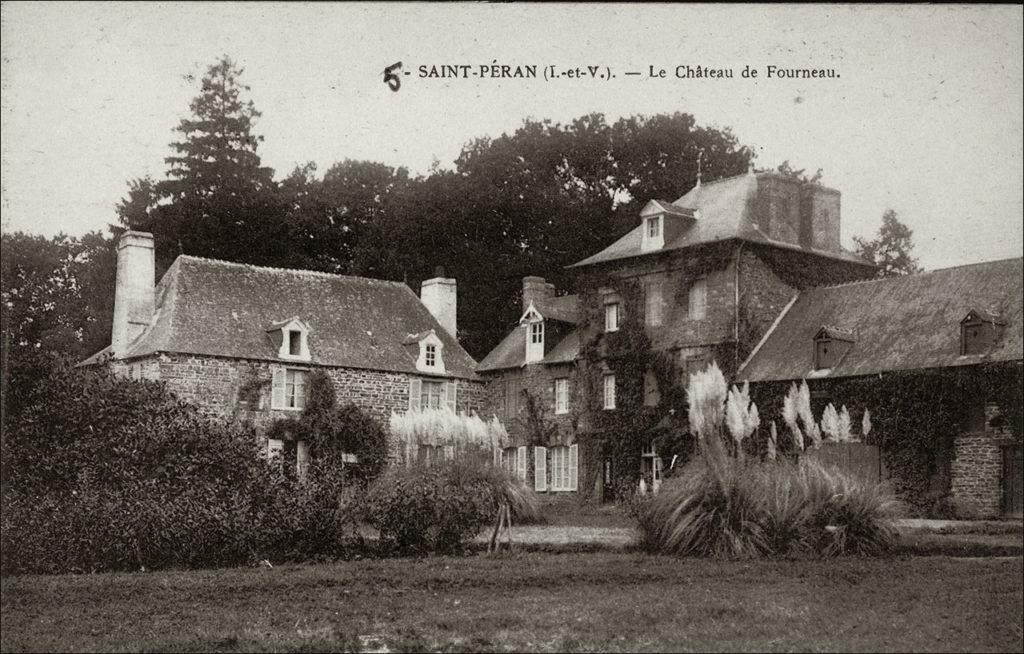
[[979, 332], [654, 227], [830, 346], [428, 350], [291, 338], [430, 355], [534, 341]]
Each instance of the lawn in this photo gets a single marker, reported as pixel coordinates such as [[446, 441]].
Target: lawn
[[530, 601]]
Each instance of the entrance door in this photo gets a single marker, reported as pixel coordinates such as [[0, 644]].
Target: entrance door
[[1013, 488]]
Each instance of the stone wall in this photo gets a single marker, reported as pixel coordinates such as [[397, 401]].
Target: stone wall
[[977, 470], [241, 388]]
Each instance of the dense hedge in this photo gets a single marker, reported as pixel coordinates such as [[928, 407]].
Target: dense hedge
[[104, 473]]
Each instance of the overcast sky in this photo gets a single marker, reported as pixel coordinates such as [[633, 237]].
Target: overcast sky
[[925, 118]]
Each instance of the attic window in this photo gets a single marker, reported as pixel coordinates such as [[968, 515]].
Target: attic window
[[535, 341], [978, 333], [292, 340], [830, 345], [654, 227], [430, 355]]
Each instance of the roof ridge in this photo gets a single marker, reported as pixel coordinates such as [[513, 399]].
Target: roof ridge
[[297, 271], [913, 275]]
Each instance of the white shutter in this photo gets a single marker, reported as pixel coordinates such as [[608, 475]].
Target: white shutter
[[540, 468], [497, 455], [301, 458], [277, 396], [449, 452], [573, 466], [521, 462], [415, 388], [450, 390]]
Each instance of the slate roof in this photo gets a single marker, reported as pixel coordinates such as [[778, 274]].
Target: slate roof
[[565, 308], [205, 306], [724, 210], [511, 351], [901, 323]]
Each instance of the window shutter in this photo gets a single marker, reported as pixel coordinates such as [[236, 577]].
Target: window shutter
[[574, 461], [521, 462], [415, 386], [540, 468], [450, 391], [449, 452], [277, 397]]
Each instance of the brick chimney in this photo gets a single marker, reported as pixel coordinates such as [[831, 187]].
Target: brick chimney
[[133, 290], [438, 295], [535, 288]]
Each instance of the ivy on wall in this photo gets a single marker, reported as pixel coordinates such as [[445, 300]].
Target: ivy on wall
[[916, 416]]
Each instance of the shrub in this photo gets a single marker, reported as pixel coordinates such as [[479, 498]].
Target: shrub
[[772, 508], [436, 509], [104, 473]]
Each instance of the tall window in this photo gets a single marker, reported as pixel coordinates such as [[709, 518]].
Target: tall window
[[561, 396], [295, 389], [697, 304], [654, 227], [537, 332], [653, 303], [609, 391], [563, 468], [432, 394], [430, 355], [612, 314]]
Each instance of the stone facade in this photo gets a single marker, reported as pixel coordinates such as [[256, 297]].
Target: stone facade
[[241, 388], [976, 472]]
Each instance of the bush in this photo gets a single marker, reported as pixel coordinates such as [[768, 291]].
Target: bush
[[772, 508], [103, 473], [436, 509]]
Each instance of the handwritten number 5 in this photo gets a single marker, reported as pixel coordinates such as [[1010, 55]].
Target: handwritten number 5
[[390, 78]]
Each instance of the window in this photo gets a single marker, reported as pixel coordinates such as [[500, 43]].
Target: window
[[691, 360], [697, 300], [432, 394], [612, 315], [823, 354], [653, 304], [289, 389], [535, 341], [609, 391], [561, 396], [564, 468], [430, 355], [508, 460], [654, 227], [976, 337], [294, 343]]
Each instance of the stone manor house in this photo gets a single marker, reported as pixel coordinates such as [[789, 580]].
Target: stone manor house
[[746, 271]]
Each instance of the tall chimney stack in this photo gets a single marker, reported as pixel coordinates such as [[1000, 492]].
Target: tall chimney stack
[[438, 295], [133, 290], [535, 288]]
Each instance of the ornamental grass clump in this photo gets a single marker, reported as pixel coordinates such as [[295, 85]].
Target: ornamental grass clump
[[728, 505]]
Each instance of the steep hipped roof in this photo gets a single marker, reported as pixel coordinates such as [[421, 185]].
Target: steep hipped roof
[[901, 323], [204, 306], [724, 209]]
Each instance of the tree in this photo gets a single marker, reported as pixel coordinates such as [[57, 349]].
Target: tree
[[891, 249], [217, 199]]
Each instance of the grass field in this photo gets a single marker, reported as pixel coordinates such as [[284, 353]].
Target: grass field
[[549, 602]]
